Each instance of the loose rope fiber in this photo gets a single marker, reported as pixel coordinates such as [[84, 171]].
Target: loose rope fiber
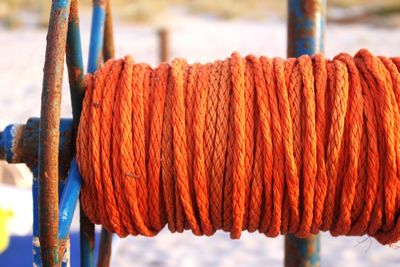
[[259, 144]]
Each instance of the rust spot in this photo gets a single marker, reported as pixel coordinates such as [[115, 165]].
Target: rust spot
[[163, 36], [61, 248], [101, 3], [18, 144], [311, 8], [108, 39], [87, 230], [292, 254], [76, 72], [73, 12]]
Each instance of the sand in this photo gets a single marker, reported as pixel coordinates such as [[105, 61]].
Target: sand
[[197, 38]]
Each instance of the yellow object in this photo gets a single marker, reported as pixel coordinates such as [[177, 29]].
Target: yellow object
[[5, 215]]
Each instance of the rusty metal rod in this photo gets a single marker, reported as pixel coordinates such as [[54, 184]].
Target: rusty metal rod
[[306, 23], [163, 37], [105, 248], [108, 39], [49, 132]]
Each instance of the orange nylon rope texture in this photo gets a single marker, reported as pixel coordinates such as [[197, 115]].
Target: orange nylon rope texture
[[270, 145]]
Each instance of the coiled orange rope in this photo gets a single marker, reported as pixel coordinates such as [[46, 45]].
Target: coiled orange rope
[[279, 146]]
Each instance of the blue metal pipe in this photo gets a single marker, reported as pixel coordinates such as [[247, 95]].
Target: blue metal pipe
[[96, 36], [302, 252], [306, 32], [20, 144], [68, 201], [9, 137], [35, 238], [75, 63], [306, 27], [76, 74], [95, 60]]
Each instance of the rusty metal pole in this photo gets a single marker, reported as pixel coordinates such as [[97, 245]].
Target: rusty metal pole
[[108, 39], [105, 247], [75, 65], [49, 132], [163, 37], [75, 71], [306, 25]]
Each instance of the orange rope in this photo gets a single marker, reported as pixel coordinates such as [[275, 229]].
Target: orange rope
[[279, 146]]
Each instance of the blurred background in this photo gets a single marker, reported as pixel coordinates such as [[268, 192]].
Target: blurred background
[[199, 30], [19, 13]]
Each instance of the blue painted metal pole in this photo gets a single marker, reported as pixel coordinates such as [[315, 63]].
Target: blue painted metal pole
[[35, 239], [75, 64], [306, 24], [306, 27], [68, 200], [76, 74], [19, 144], [97, 35], [95, 60]]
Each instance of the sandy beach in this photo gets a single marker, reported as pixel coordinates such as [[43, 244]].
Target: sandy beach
[[196, 38]]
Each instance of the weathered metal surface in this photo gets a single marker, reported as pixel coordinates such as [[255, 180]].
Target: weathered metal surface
[[105, 248], [87, 241], [163, 37], [108, 40], [302, 252], [11, 143], [49, 132], [22, 145], [65, 251], [75, 63], [30, 145], [306, 25], [37, 262], [76, 75]]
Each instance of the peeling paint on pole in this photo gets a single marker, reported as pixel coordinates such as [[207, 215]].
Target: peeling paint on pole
[[306, 32]]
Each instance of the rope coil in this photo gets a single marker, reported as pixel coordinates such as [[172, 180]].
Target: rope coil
[[279, 146]]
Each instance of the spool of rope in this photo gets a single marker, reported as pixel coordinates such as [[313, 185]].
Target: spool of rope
[[258, 144]]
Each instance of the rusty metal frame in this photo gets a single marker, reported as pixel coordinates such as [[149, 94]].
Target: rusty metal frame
[[49, 133], [306, 32]]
